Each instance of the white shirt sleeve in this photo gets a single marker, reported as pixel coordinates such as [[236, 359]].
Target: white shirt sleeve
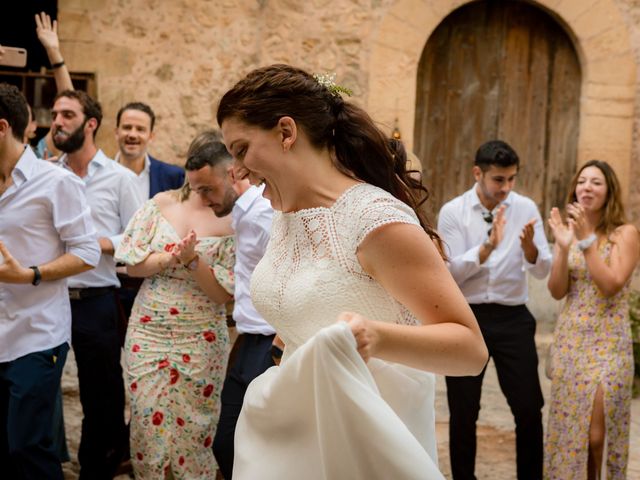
[[72, 219], [129, 202], [463, 262]]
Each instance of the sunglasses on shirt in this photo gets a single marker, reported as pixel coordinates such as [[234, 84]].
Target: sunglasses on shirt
[[488, 217]]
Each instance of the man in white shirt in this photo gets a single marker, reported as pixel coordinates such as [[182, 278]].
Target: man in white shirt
[[113, 198], [210, 174], [495, 236], [46, 223]]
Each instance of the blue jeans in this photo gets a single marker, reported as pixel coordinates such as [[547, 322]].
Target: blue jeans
[[28, 389]]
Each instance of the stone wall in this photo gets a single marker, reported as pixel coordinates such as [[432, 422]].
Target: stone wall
[[181, 55]]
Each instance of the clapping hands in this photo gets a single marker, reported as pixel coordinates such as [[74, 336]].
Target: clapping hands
[[185, 249], [577, 225]]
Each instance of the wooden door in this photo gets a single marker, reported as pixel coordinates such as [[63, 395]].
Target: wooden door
[[498, 70]]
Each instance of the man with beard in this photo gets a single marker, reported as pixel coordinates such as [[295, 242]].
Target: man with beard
[[210, 174], [45, 223], [494, 237], [113, 198]]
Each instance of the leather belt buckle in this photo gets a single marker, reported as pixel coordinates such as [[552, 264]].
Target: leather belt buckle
[[75, 294]]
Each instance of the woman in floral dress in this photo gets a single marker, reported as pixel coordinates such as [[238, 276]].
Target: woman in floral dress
[[177, 341], [596, 252]]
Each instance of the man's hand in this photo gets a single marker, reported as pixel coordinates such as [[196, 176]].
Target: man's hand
[[526, 241], [10, 269], [106, 246], [497, 227], [495, 237], [47, 32]]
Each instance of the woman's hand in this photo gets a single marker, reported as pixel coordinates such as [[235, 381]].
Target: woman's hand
[[578, 220], [364, 332], [561, 232], [185, 249]]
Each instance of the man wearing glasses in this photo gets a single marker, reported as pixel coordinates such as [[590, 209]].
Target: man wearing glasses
[[494, 237]]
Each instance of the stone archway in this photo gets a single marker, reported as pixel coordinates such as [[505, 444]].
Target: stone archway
[[601, 39]]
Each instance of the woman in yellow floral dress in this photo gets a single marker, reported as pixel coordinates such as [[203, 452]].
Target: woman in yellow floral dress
[[595, 254], [177, 341]]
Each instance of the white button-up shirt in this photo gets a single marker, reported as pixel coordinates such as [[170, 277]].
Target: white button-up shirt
[[114, 198], [251, 220], [143, 179], [43, 215], [502, 277]]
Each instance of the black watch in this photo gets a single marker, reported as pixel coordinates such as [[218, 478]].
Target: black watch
[[37, 276], [276, 351]]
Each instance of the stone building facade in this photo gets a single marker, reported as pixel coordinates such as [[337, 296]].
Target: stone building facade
[[181, 55]]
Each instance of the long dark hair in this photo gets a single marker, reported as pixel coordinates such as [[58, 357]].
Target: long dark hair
[[361, 149], [613, 210]]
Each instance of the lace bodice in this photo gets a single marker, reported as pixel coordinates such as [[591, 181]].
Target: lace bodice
[[310, 272]]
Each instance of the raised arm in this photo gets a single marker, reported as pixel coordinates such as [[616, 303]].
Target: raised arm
[[47, 32], [407, 264]]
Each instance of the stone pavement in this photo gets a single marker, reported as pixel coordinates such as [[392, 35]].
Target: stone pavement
[[496, 446], [496, 459]]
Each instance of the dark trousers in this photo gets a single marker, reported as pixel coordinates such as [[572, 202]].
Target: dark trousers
[[28, 387], [97, 349], [508, 332], [251, 356]]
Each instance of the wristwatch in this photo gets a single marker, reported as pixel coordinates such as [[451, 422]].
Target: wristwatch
[[193, 264], [37, 276], [276, 351], [587, 242], [488, 245]]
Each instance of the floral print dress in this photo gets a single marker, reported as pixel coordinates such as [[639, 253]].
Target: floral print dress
[[592, 346], [176, 354]]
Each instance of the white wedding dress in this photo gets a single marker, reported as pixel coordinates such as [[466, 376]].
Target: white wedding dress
[[324, 413]]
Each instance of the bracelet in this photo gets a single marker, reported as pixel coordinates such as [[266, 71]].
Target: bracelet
[[37, 276], [488, 245], [587, 242], [276, 351], [192, 264], [57, 65]]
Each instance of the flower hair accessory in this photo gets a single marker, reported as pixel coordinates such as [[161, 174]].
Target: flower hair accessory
[[327, 80]]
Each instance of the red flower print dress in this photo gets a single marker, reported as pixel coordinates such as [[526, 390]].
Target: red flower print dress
[[176, 354], [592, 346]]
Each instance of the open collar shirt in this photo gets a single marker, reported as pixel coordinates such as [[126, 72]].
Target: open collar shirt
[[43, 215], [114, 198], [251, 219], [143, 179], [502, 278]]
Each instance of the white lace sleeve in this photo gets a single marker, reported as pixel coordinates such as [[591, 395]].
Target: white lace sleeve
[[375, 208]]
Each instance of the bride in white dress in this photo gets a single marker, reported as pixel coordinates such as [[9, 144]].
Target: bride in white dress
[[353, 282]]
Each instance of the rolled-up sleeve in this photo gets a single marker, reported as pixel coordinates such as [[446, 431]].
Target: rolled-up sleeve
[[463, 262], [72, 220]]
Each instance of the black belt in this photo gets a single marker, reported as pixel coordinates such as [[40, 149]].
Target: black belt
[[89, 292]]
